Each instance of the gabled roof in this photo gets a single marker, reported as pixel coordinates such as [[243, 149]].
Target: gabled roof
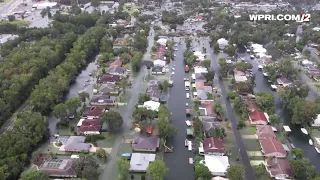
[[200, 76], [251, 105], [76, 143], [108, 88], [201, 94], [210, 125], [58, 168], [103, 99], [270, 145], [90, 125], [117, 63], [116, 69], [199, 85], [208, 105], [110, 78], [140, 161], [279, 167], [143, 142], [213, 145], [265, 131], [93, 111], [258, 116]]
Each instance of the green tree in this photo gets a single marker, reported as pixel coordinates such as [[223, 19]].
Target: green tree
[[165, 128], [73, 104], [197, 127], [206, 64], [216, 48], [123, 84], [84, 96], [235, 172], [202, 171], [101, 153], [165, 85], [298, 152], [157, 170], [113, 119], [188, 43], [230, 50], [87, 167], [123, 166], [260, 170], [266, 102], [60, 111], [302, 169], [34, 175], [11, 18]]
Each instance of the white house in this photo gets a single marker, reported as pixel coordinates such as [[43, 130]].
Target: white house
[[200, 55], [217, 165], [200, 70], [140, 161], [159, 62], [316, 122], [152, 105], [222, 43], [162, 41]]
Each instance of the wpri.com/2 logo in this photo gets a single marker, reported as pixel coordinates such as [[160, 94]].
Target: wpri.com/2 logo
[[280, 17], [304, 18]]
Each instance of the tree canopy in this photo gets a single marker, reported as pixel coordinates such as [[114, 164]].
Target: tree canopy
[[157, 170], [202, 171], [113, 119], [123, 166], [235, 172]]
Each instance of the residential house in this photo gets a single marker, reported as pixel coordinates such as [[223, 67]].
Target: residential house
[[59, 168], [199, 70], [162, 41], [209, 124], [116, 70], [208, 107], [75, 144], [251, 105], [157, 70], [159, 62], [122, 22], [279, 168], [109, 79], [208, 89], [316, 122], [217, 165], [109, 89], [272, 148], [258, 117], [89, 126], [146, 144], [222, 43], [154, 93], [151, 105], [199, 85], [264, 131], [212, 146], [117, 63], [284, 82], [93, 112], [239, 76], [119, 43], [201, 94], [102, 100], [140, 161]]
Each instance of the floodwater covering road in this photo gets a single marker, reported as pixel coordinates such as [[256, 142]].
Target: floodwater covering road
[[178, 161], [137, 83]]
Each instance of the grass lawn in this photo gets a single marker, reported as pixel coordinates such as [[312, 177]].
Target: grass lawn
[[248, 130], [252, 144], [17, 22]]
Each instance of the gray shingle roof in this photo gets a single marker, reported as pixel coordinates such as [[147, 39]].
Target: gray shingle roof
[[139, 161], [76, 143], [148, 143]]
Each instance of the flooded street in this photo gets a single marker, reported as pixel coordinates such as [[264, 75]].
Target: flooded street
[[178, 161]]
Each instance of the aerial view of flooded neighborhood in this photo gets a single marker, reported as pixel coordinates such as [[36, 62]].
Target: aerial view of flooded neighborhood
[[160, 90]]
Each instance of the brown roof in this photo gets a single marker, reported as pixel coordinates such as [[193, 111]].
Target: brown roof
[[109, 78], [199, 85], [90, 125], [117, 63], [265, 131], [270, 145], [238, 73], [59, 168], [208, 105], [215, 145], [93, 111], [146, 143], [278, 167], [251, 105]]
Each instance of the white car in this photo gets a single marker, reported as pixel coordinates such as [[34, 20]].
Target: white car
[[187, 104], [176, 49], [174, 65], [172, 73], [173, 69]]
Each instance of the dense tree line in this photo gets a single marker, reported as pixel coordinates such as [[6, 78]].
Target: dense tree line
[[172, 17], [25, 66], [15, 146], [51, 89]]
